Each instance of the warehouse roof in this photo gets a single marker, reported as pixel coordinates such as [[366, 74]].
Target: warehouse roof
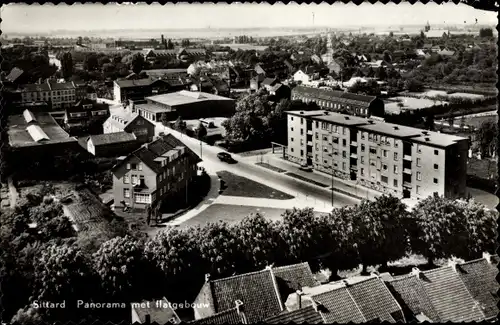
[[184, 97]]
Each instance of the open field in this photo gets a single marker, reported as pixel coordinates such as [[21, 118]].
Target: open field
[[409, 103], [241, 186], [443, 93]]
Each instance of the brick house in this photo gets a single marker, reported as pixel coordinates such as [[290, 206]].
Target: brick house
[[124, 121], [85, 113], [158, 172]]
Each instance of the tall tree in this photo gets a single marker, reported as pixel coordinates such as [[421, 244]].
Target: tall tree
[[90, 62], [67, 65], [201, 131], [137, 63], [487, 136]]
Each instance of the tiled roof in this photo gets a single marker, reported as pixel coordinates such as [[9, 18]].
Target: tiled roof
[[375, 301], [291, 278], [256, 290], [449, 296], [149, 152], [112, 138], [61, 85], [479, 278], [339, 307], [306, 315], [137, 83], [333, 95], [14, 74], [230, 316], [158, 311], [269, 81], [410, 293]]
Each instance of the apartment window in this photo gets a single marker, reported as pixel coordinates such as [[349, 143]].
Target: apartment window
[[317, 136], [301, 142], [370, 137], [335, 128], [291, 118], [362, 159], [344, 142], [362, 171], [344, 154], [316, 146], [317, 157], [373, 162], [301, 152], [301, 131], [325, 138], [325, 162], [291, 139], [317, 125], [373, 150], [291, 149], [126, 193], [395, 169], [418, 162], [324, 125], [436, 166], [435, 180], [344, 166], [385, 167], [134, 179], [343, 130], [126, 179], [384, 152], [419, 176], [362, 148], [325, 149], [436, 152], [301, 121], [335, 140], [362, 135], [140, 166], [395, 156], [395, 183], [418, 189], [384, 179], [291, 129], [419, 149], [134, 166]]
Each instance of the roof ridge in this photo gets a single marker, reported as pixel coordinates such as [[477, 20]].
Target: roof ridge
[[474, 261], [393, 298], [355, 303], [290, 265], [238, 275]]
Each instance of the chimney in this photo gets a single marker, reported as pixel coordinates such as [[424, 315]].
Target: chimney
[[345, 283], [454, 265], [240, 311], [396, 128], [207, 277], [269, 267], [375, 274], [299, 294], [416, 271], [427, 139], [487, 256]]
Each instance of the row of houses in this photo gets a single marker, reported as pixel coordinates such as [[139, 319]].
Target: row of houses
[[457, 292]]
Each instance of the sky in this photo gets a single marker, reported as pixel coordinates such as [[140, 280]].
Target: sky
[[87, 17]]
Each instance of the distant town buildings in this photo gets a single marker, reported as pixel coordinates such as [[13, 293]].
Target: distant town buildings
[[59, 95], [403, 161]]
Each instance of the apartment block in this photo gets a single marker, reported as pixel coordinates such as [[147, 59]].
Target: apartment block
[[393, 159]]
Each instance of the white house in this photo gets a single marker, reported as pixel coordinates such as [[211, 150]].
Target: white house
[[302, 77]]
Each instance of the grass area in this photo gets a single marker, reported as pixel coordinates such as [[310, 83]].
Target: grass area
[[305, 179], [241, 186], [255, 152], [232, 214], [271, 167], [484, 168], [409, 103], [478, 120]]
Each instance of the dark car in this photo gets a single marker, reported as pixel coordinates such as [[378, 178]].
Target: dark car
[[225, 157], [305, 168]]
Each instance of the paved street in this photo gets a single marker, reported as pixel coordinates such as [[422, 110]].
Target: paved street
[[314, 195]]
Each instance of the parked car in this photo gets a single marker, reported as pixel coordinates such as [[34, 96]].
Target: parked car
[[225, 157], [305, 168]]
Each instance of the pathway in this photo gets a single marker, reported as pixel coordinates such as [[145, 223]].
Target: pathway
[[13, 194]]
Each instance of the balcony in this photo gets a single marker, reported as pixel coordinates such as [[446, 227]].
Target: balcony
[[407, 171], [407, 184], [354, 143], [309, 132], [407, 157], [353, 155], [309, 143]]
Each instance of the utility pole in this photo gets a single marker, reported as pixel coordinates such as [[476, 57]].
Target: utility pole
[[201, 149]]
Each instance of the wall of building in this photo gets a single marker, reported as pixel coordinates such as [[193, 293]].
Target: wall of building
[[142, 128], [296, 133], [456, 170]]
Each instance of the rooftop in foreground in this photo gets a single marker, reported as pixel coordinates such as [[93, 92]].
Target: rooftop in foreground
[[19, 134]]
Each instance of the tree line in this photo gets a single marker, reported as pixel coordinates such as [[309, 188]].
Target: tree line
[[129, 268]]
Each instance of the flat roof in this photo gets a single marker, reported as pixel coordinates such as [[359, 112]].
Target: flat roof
[[152, 108], [306, 113], [395, 130], [342, 119], [184, 97], [438, 139]]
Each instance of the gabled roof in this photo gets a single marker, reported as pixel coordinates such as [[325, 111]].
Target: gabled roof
[[256, 290], [375, 301], [307, 315], [269, 81], [36, 133], [158, 311], [230, 316], [150, 151], [291, 278], [479, 278], [122, 119], [339, 307], [14, 74], [112, 138], [411, 294], [138, 83], [29, 116], [448, 295]]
